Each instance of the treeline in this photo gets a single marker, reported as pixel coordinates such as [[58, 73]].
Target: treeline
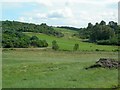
[[13, 36], [15, 39], [70, 28], [29, 27], [101, 33]]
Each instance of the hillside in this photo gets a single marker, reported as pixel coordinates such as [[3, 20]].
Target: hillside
[[13, 36], [27, 35], [68, 41], [30, 27]]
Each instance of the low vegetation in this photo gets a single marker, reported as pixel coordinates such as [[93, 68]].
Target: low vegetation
[[36, 68]]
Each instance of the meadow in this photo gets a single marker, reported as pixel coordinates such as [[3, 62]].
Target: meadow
[[37, 68], [65, 68], [68, 41]]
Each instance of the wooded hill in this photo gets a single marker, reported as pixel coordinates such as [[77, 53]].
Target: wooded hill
[[100, 33], [13, 36], [30, 27]]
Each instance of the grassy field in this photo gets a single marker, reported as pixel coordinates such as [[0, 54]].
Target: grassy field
[[45, 68], [36, 68], [68, 43]]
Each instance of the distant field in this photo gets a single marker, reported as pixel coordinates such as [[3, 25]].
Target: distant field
[[36, 68], [67, 42]]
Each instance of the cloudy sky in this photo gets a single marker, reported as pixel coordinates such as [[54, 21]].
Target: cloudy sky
[[77, 13]]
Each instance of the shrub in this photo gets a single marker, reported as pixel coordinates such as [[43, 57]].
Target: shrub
[[55, 45], [76, 47], [97, 50]]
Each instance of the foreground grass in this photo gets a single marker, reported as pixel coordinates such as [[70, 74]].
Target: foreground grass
[[36, 68]]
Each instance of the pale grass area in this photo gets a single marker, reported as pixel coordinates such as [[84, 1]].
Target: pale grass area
[[36, 68]]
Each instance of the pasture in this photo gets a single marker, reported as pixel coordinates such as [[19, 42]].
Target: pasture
[[67, 43], [37, 68]]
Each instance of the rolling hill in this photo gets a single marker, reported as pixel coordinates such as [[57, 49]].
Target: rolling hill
[[68, 41]]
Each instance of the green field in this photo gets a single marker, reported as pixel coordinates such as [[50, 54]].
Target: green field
[[46, 68], [67, 42], [36, 68]]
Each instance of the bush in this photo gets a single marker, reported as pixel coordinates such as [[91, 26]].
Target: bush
[[76, 47], [103, 42], [55, 45], [108, 42], [97, 50]]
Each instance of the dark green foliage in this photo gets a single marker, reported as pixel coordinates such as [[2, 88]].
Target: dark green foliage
[[101, 33], [45, 44], [102, 23], [112, 41], [70, 28], [15, 39], [76, 47], [13, 36], [34, 38], [29, 27], [55, 45]]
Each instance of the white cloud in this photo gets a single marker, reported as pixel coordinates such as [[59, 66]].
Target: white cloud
[[44, 2], [22, 19], [70, 12], [52, 14], [40, 15], [56, 14], [61, 13]]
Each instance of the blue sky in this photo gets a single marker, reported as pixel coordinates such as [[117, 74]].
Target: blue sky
[[77, 13]]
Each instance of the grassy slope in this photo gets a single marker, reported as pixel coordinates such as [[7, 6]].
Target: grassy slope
[[67, 42], [38, 69]]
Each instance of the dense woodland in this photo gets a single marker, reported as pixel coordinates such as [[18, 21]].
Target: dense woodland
[[30, 27], [100, 33], [14, 39], [70, 28], [13, 36]]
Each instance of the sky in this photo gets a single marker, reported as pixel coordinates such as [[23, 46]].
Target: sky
[[74, 13]]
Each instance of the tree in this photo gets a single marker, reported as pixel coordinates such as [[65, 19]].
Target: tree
[[101, 33], [34, 38], [55, 45], [89, 26], [76, 47], [102, 23], [45, 43]]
